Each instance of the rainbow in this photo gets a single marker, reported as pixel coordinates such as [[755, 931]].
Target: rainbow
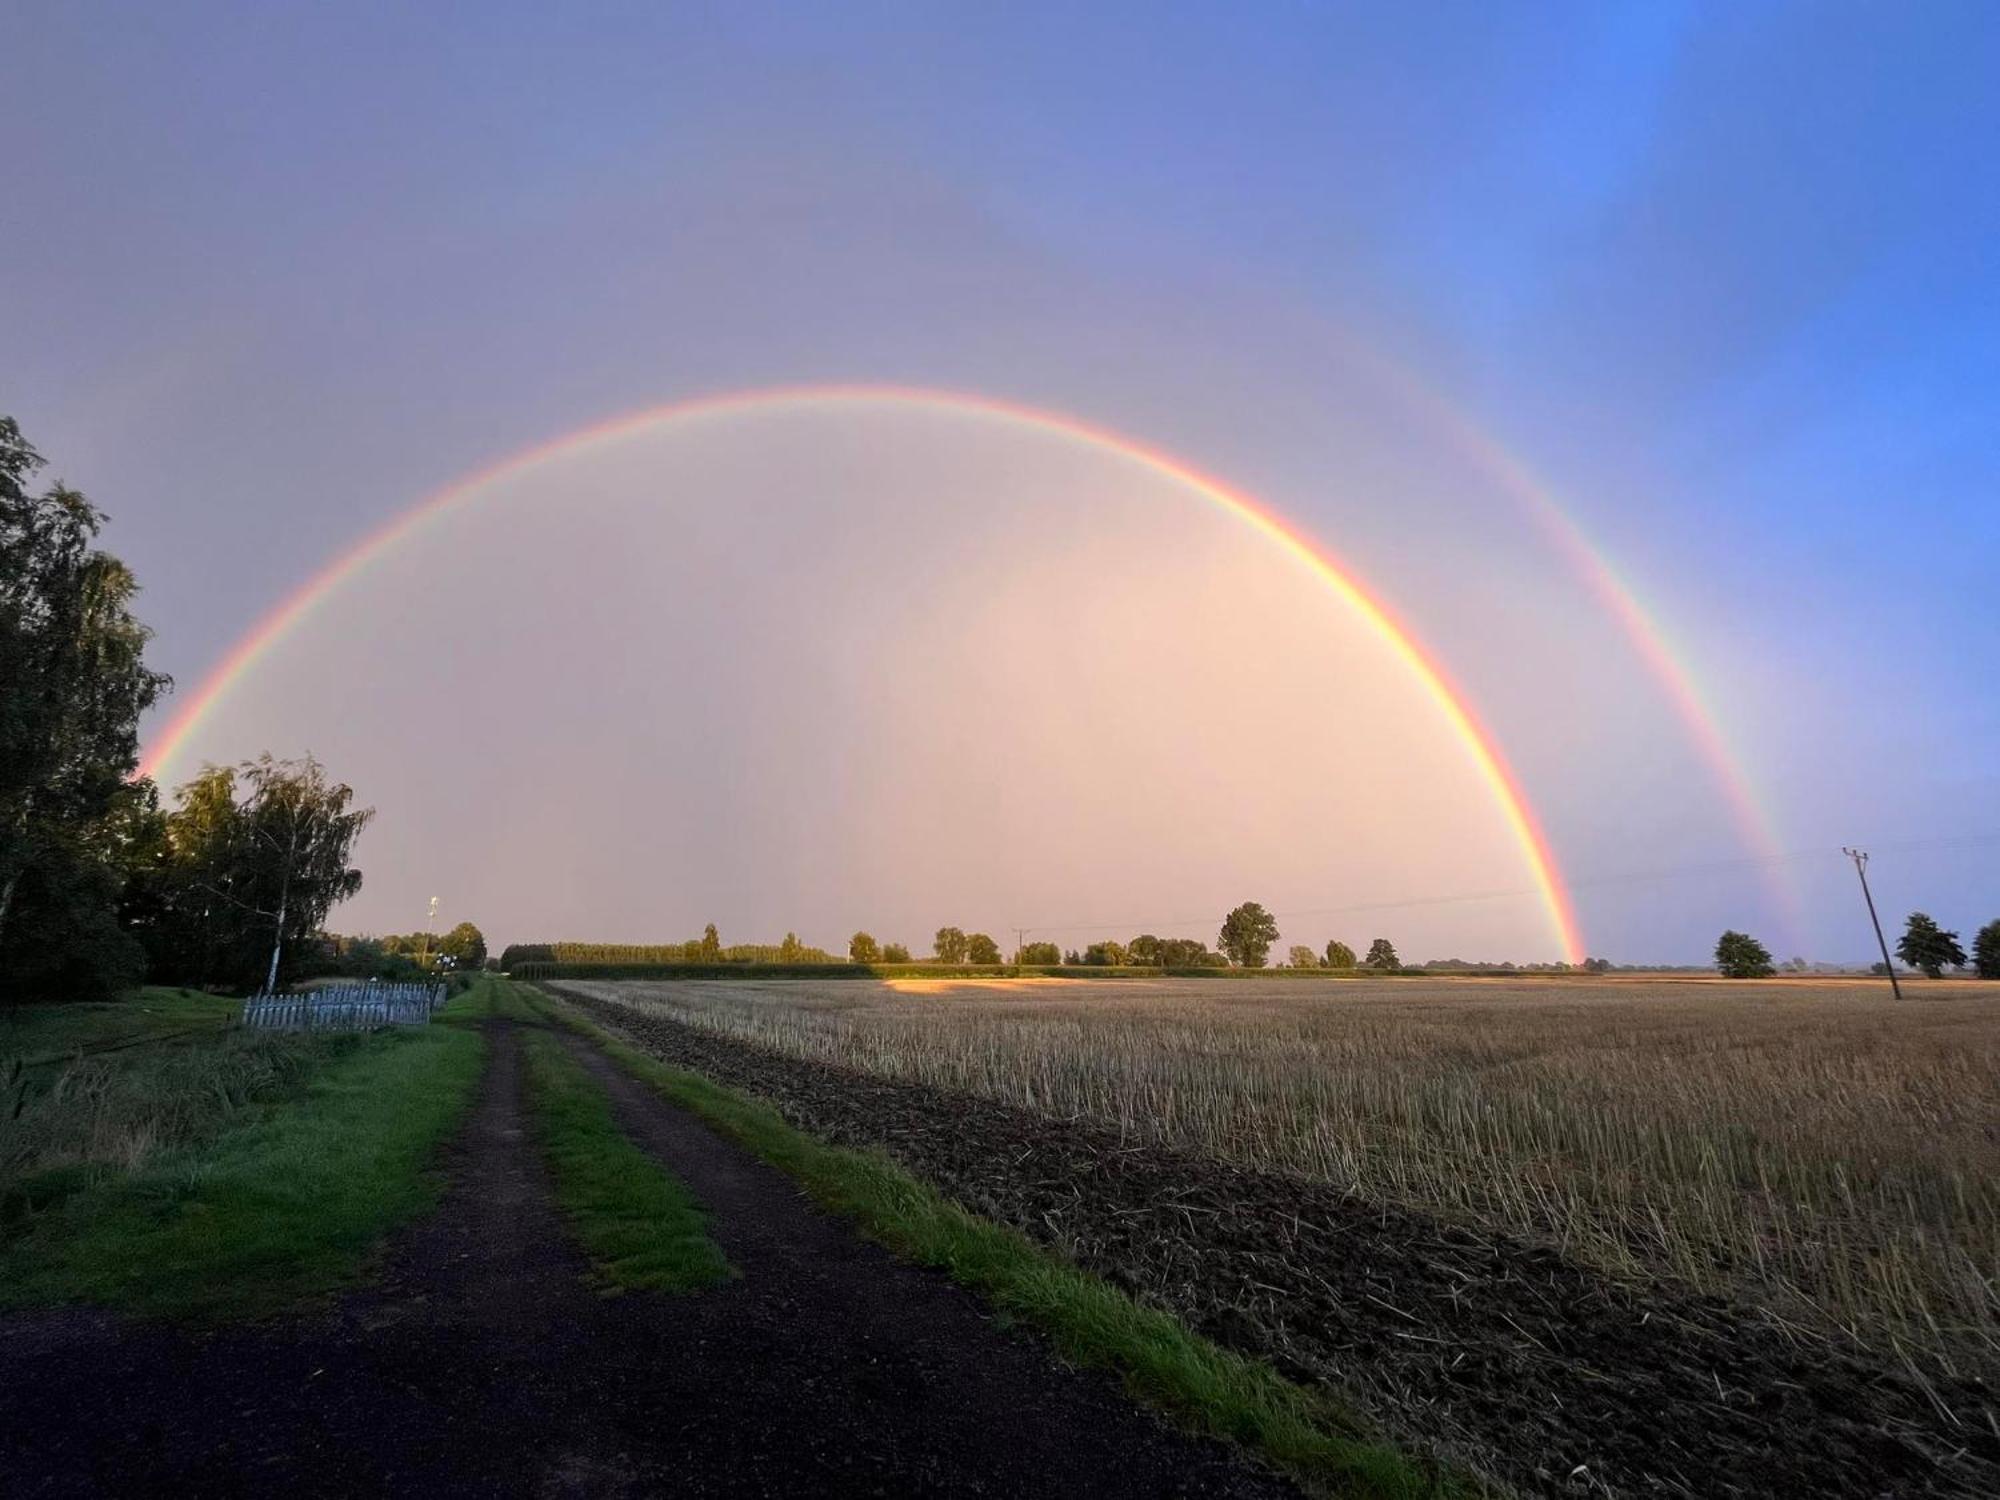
[[1451, 702], [1619, 599]]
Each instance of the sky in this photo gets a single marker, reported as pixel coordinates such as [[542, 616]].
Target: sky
[[1493, 303]]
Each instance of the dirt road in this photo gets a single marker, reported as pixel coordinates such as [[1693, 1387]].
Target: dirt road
[[484, 1363]]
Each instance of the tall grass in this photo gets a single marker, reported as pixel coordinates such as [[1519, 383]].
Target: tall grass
[[284, 1199], [1815, 1149], [117, 1111]]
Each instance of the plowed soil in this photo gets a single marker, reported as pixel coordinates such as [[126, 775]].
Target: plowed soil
[[1529, 1367]]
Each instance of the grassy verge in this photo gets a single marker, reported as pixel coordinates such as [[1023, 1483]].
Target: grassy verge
[[640, 1226], [285, 1199], [1209, 1389], [42, 1035]]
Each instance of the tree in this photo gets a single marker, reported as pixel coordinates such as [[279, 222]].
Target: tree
[[256, 855], [1986, 951], [791, 950], [465, 946], [1382, 955], [895, 953], [981, 949], [1339, 955], [1046, 955], [709, 951], [1740, 956], [1144, 949], [73, 685], [949, 946], [863, 949], [1105, 955], [68, 938], [1187, 953], [1303, 957], [1247, 934], [1926, 946]]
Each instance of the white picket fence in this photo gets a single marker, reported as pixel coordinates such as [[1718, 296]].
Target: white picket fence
[[346, 1007]]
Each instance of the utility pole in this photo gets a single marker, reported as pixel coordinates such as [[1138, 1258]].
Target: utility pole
[[430, 926], [1860, 858], [1020, 942]]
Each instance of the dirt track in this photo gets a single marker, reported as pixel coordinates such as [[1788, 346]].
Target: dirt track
[[1517, 1360], [484, 1364]]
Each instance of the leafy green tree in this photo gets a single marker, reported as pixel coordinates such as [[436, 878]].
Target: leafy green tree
[[1105, 955], [709, 949], [1187, 953], [1247, 934], [791, 950], [1927, 946], [1986, 951], [949, 946], [73, 684], [863, 949], [1382, 955], [255, 857], [1046, 955], [465, 946], [1339, 955], [895, 953], [981, 949], [1302, 957], [1143, 949], [1740, 956], [68, 938]]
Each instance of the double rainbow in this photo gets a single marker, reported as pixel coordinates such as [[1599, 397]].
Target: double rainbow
[[1478, 742]]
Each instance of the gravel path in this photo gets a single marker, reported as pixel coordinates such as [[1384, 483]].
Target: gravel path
[[483, 1363]]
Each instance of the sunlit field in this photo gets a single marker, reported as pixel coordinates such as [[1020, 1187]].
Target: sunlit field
[[1811, 1147]]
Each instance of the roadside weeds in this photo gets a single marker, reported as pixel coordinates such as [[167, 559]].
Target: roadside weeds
[[288, 1199]]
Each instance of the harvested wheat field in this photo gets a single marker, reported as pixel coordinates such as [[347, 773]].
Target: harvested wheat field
[[1774, 1204]]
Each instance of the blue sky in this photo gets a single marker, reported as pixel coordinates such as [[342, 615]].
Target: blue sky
[[1727, 277]]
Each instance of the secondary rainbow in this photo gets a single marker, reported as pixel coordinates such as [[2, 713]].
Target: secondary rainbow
[[1639, 625], [1479, 743]]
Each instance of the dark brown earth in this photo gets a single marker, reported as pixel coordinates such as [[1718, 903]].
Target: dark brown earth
[[484, 1364], [1510, 1357]]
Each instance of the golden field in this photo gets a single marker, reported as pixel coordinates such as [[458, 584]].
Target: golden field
[[1808, 1146]]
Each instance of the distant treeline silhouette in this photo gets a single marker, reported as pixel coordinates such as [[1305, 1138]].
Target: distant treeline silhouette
[[706, 949]]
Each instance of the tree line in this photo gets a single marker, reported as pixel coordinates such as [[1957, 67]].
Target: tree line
[[706, 949], [1924, 946], [1245, 940], [100, 885]]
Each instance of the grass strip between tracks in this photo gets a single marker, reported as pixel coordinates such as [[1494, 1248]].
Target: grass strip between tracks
[[640, 1226], [1207, 1388]]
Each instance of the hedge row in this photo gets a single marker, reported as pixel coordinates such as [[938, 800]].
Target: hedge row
[[558, 971]]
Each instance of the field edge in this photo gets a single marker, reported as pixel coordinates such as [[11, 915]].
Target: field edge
[[1205, 1388]]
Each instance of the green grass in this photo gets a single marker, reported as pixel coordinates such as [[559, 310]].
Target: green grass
[[287, 1199], [44, 1035], [639, 1225], [1208, 1388]]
